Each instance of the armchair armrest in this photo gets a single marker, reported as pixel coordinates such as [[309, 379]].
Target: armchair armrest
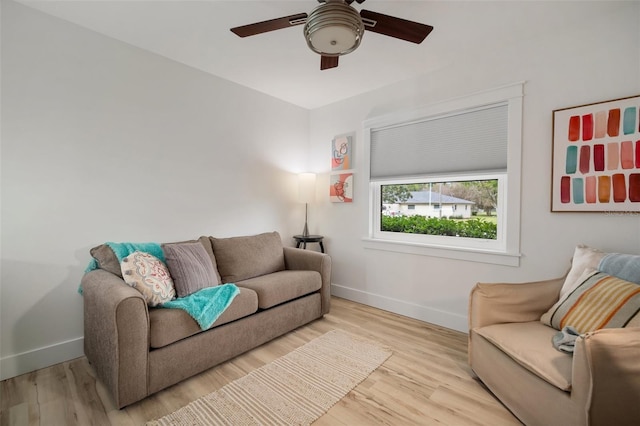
[[606, 367], [496, 303], [116, 335], [307, 260]]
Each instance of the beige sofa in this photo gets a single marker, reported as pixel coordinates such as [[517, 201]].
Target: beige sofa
[[136, 350], [511, 351]]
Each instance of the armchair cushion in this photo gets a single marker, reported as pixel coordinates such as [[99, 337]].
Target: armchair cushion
[[521, 341]]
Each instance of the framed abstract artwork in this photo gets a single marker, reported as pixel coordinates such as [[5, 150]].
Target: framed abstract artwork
[[596, 157], [342, 152], [341, 187]]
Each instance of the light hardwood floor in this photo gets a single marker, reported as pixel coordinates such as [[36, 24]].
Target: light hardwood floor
[[425, 382]]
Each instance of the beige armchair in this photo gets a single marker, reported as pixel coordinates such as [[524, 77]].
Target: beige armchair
[[510, 351]]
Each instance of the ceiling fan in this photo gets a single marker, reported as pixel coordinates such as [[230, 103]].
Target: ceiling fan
[[335, 28]]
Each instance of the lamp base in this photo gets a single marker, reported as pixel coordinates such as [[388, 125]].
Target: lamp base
[[305, 231]]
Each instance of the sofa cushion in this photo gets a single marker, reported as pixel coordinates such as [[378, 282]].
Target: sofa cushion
[[529, 344], [170, 325], [600, 301], [190, 267], [147, 274], [240, 258], [279, 287]]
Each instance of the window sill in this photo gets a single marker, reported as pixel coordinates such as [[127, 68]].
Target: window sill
[[458, 253]]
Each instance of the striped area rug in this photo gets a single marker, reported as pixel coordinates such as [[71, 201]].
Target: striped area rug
[[295, 389]]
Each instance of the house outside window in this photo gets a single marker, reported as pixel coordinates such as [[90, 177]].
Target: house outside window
[[430, 155]]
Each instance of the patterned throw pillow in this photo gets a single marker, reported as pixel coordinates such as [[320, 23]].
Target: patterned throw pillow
[[600, 301], [147, 274]]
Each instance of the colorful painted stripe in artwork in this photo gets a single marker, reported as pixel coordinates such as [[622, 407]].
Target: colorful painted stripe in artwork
[[587, 127], [565, 189], [600, 124], [604, 189], [634, 187], [629, 121], [619, 188], [578, 190], [571, 163], [598, 157], [613, 123], [585, 158], [574, 128], [590, 189]]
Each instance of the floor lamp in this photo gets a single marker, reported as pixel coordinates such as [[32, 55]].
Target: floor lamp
[[306, 195]]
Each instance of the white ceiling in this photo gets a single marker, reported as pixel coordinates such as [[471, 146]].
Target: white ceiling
[[279, 63]]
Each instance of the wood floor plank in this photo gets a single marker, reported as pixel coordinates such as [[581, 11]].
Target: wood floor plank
[[426, 381]]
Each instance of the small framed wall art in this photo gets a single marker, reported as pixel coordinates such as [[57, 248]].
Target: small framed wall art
[[341, 188], [342, 152], [596, 157]]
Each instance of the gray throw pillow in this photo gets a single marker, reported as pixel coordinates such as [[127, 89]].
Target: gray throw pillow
[[190, 267]]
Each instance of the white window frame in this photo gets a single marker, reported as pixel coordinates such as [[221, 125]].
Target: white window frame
[[505, 251]]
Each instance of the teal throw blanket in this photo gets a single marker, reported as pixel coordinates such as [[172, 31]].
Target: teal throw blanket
[[122, 250], [206, 305]]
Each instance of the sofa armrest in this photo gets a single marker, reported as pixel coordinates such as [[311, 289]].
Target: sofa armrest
[[497, 303], [116, 335], [307, 260], [606, 368]]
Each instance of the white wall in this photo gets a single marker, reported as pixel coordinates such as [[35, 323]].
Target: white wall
[[569, 53], [105, 142]]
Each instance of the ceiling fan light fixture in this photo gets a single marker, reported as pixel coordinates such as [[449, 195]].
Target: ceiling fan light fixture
[[333, 28]]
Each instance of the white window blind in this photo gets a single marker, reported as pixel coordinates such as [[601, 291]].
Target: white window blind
[[467, 141]]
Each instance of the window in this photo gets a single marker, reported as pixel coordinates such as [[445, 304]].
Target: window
[[435, 211], [444, 179]]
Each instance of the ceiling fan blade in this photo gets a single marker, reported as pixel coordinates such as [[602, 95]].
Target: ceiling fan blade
[[327, 62], [391, 26], [270, 25]]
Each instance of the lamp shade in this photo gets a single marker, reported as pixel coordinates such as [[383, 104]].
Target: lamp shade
[[306, 187]]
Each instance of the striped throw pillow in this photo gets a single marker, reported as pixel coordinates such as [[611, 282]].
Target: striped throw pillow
[[601, 301]]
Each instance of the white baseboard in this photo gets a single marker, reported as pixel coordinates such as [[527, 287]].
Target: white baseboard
[[25, 362], [424, 313]]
